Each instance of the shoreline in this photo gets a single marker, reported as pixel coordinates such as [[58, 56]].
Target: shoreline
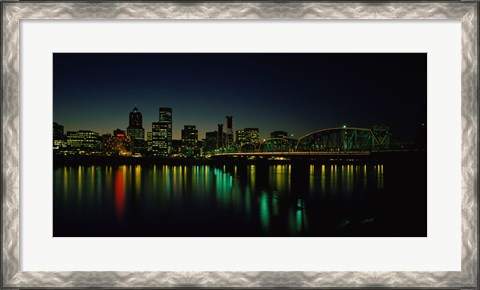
[[61, 160]]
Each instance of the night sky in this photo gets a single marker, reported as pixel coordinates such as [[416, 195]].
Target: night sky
[[294, 92]]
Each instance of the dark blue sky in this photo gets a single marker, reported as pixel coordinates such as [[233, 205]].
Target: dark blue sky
[[293, 92]]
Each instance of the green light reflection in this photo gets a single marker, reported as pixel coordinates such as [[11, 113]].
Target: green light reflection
[[299, 219], [248, 200], [264, 211]]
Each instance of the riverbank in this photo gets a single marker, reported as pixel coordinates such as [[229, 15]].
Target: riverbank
[[375, 157], [60, 160]]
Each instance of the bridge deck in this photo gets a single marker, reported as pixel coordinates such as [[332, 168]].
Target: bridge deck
[[306, 153]]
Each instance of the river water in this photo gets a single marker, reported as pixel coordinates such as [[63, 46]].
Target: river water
[[371, 199]]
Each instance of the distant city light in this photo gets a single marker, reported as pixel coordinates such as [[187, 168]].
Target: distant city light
[[344, 126]]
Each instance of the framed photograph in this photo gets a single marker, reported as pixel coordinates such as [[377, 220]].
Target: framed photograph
[[303, 144]]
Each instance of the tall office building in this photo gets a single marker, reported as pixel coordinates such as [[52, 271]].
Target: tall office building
[[248, 135], [165, 120], [240, 137], [160, 139], [252, 134], [210, 141], [229, 132], [149, 141], [136, 132], [177, 146], [189, 140], [248, 139], [220, 136], [135, 129]]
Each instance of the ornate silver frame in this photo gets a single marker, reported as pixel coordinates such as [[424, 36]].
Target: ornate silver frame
[[13, 12]]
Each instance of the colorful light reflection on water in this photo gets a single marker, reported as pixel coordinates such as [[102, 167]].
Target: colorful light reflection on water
[[201, 200]]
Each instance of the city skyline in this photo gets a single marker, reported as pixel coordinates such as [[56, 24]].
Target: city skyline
[[362, 172], [182, 127], [297, 93]]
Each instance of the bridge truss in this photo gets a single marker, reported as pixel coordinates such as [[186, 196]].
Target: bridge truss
[[341, 139], [278, 145]]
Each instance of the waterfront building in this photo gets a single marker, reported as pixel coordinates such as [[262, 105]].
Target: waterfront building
[[136, 132], [83, 141], [189, 140], [247, 139], [229, 132], [121, 143], [58, 137], [252, 135], [149, 141], [135, 129], [165, 120], [200, 148], [279, 134], [176, 146], [106, 143], [139, 147], [220, 136], [210, 143], [239, 137], [247, 136], [160, 144], [117, 144]]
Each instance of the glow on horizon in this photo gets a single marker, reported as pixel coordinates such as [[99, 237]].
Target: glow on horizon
[[97, 91]]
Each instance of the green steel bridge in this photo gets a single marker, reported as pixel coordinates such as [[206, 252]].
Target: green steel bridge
[[342, 141]]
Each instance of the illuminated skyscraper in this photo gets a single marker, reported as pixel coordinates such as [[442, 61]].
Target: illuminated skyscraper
[[248, 139], [136, 132], [248, 135], [165, 120], [159, 138], [135, 129], [210, 141], [189, 140], [240, 137], [220, 136], [135, 120], [229, 132], [149, 141]]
